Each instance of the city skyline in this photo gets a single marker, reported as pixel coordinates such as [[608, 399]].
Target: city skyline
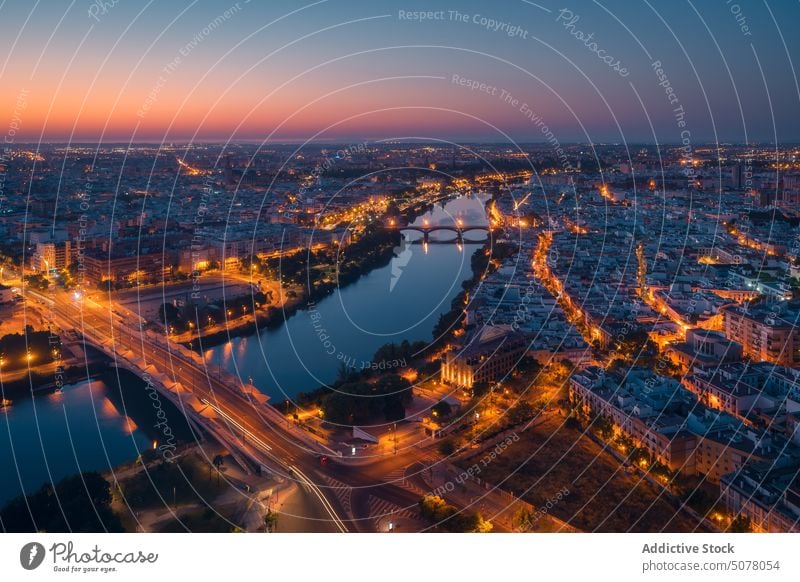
[[331, 267]]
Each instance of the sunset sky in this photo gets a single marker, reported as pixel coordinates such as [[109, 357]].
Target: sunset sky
[[335, 70]]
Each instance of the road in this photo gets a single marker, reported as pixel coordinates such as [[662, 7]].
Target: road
[[249, 425], [335, 496]]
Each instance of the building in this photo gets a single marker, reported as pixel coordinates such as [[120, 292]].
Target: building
[[690, 308], [487, 356], [195, 259], [724, 444], [6, 294], [646, 408], [665, 419], [747, 390], [703, 348], [767, 332], [767, 493], [127, 268], [51, 256], [730, 388]]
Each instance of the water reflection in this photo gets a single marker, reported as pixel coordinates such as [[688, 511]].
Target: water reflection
[[59, 434], [402, 301]]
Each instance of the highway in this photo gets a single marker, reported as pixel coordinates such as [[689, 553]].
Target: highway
[[249, 424], [339, 495], [343, 494]]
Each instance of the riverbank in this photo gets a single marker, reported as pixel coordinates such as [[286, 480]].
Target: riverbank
[[376, 249], [373, 250], [401, 301], [40, 383], [411, 354], [91, 425]]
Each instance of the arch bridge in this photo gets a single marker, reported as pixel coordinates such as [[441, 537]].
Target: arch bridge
[[426, 230]]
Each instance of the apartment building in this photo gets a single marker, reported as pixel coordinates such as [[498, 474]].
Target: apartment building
[[664, 418], [767, 332], [486, 356], [767, 493]]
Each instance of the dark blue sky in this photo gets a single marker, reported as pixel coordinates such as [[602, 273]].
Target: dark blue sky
[[364, 70]]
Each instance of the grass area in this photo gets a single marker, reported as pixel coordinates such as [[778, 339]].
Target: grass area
[[189, 480], [200, 520], [600, 498]]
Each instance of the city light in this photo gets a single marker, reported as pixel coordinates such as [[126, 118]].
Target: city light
[[339, 295]]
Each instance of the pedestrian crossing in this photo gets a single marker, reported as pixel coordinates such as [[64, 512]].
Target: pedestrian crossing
[[342, 491], [397, 477], [380, 509]]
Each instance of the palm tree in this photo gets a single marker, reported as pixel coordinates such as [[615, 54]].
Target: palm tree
[[271, 521], [219, 462]]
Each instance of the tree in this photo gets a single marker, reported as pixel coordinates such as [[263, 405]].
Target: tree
[[15, 347], [480, 388], [394, 410], [434, 508], [604, 426], [344, 373], [482, 526], [80, 503], [442, 409], [523, 519], [741, 524], [429, 369], [271, 521], [37, 281], [356, 402], [449, 518], [446, 447], [528, 366], [637, 348], [219, 462], [519, 413], [337, 408], [168, 313]]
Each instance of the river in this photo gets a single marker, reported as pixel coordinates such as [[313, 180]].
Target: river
[[401, 301], [52, 436], [87, 426], [90, 427]]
